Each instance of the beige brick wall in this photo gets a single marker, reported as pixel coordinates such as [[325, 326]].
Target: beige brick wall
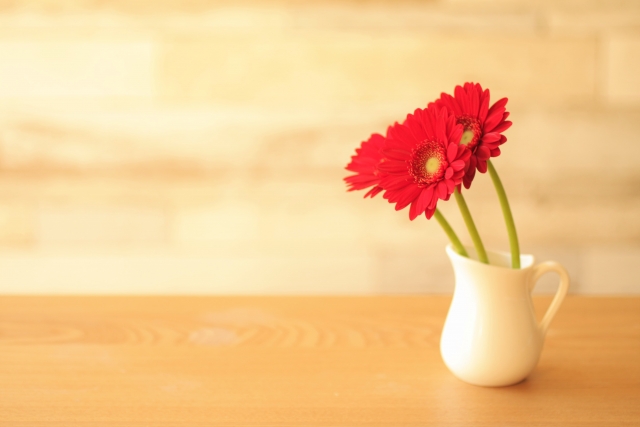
[[198, 147]]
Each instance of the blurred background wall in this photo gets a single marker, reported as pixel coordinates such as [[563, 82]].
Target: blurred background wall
[[199, 147]]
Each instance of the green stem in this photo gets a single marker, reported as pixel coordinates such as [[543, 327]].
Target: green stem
[[508, 217], [455, 242], [473, 231]]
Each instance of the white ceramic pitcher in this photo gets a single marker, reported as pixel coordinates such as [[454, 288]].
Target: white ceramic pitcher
[[491, 336]]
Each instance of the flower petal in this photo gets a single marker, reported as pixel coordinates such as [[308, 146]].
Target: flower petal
[[375, 190], [461, 97], [413, 210], [429, 212], [502, 126], [449, 102], [457, 165], [484, 106], [419, 204], [492, 121], [393, 166], [468, 177], [396, 154], [473, 161], [362, 179], [410, 193], [483, 153], [482, 166], [461, 149], [448, 173], [434, 198], [441, 190], [415, 124], [404, 133], [474, 98], [490, 137], [450, 186], [425, 197], [452, 152], [498, 105], [395, 182]]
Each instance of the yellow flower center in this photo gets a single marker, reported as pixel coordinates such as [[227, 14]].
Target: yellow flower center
[[432, 165], [428, 163], [472, 132], [467, 137]]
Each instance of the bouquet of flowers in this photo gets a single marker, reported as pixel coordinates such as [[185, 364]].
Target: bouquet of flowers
[[435, 152]]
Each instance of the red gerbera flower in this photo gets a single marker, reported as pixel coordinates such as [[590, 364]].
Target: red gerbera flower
[[483, 126], [365, 164], [423, 161]]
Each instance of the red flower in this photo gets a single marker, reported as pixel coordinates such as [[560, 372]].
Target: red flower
[[483, 126], [423, 161], [365, 164]]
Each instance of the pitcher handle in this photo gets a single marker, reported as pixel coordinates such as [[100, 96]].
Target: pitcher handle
[[538, 271]]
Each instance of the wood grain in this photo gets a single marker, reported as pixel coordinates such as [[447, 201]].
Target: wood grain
[[309, 361]]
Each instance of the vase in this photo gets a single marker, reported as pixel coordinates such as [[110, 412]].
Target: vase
[[491, 336]]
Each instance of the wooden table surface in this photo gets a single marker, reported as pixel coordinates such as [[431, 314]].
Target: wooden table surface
[[304, 361]]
